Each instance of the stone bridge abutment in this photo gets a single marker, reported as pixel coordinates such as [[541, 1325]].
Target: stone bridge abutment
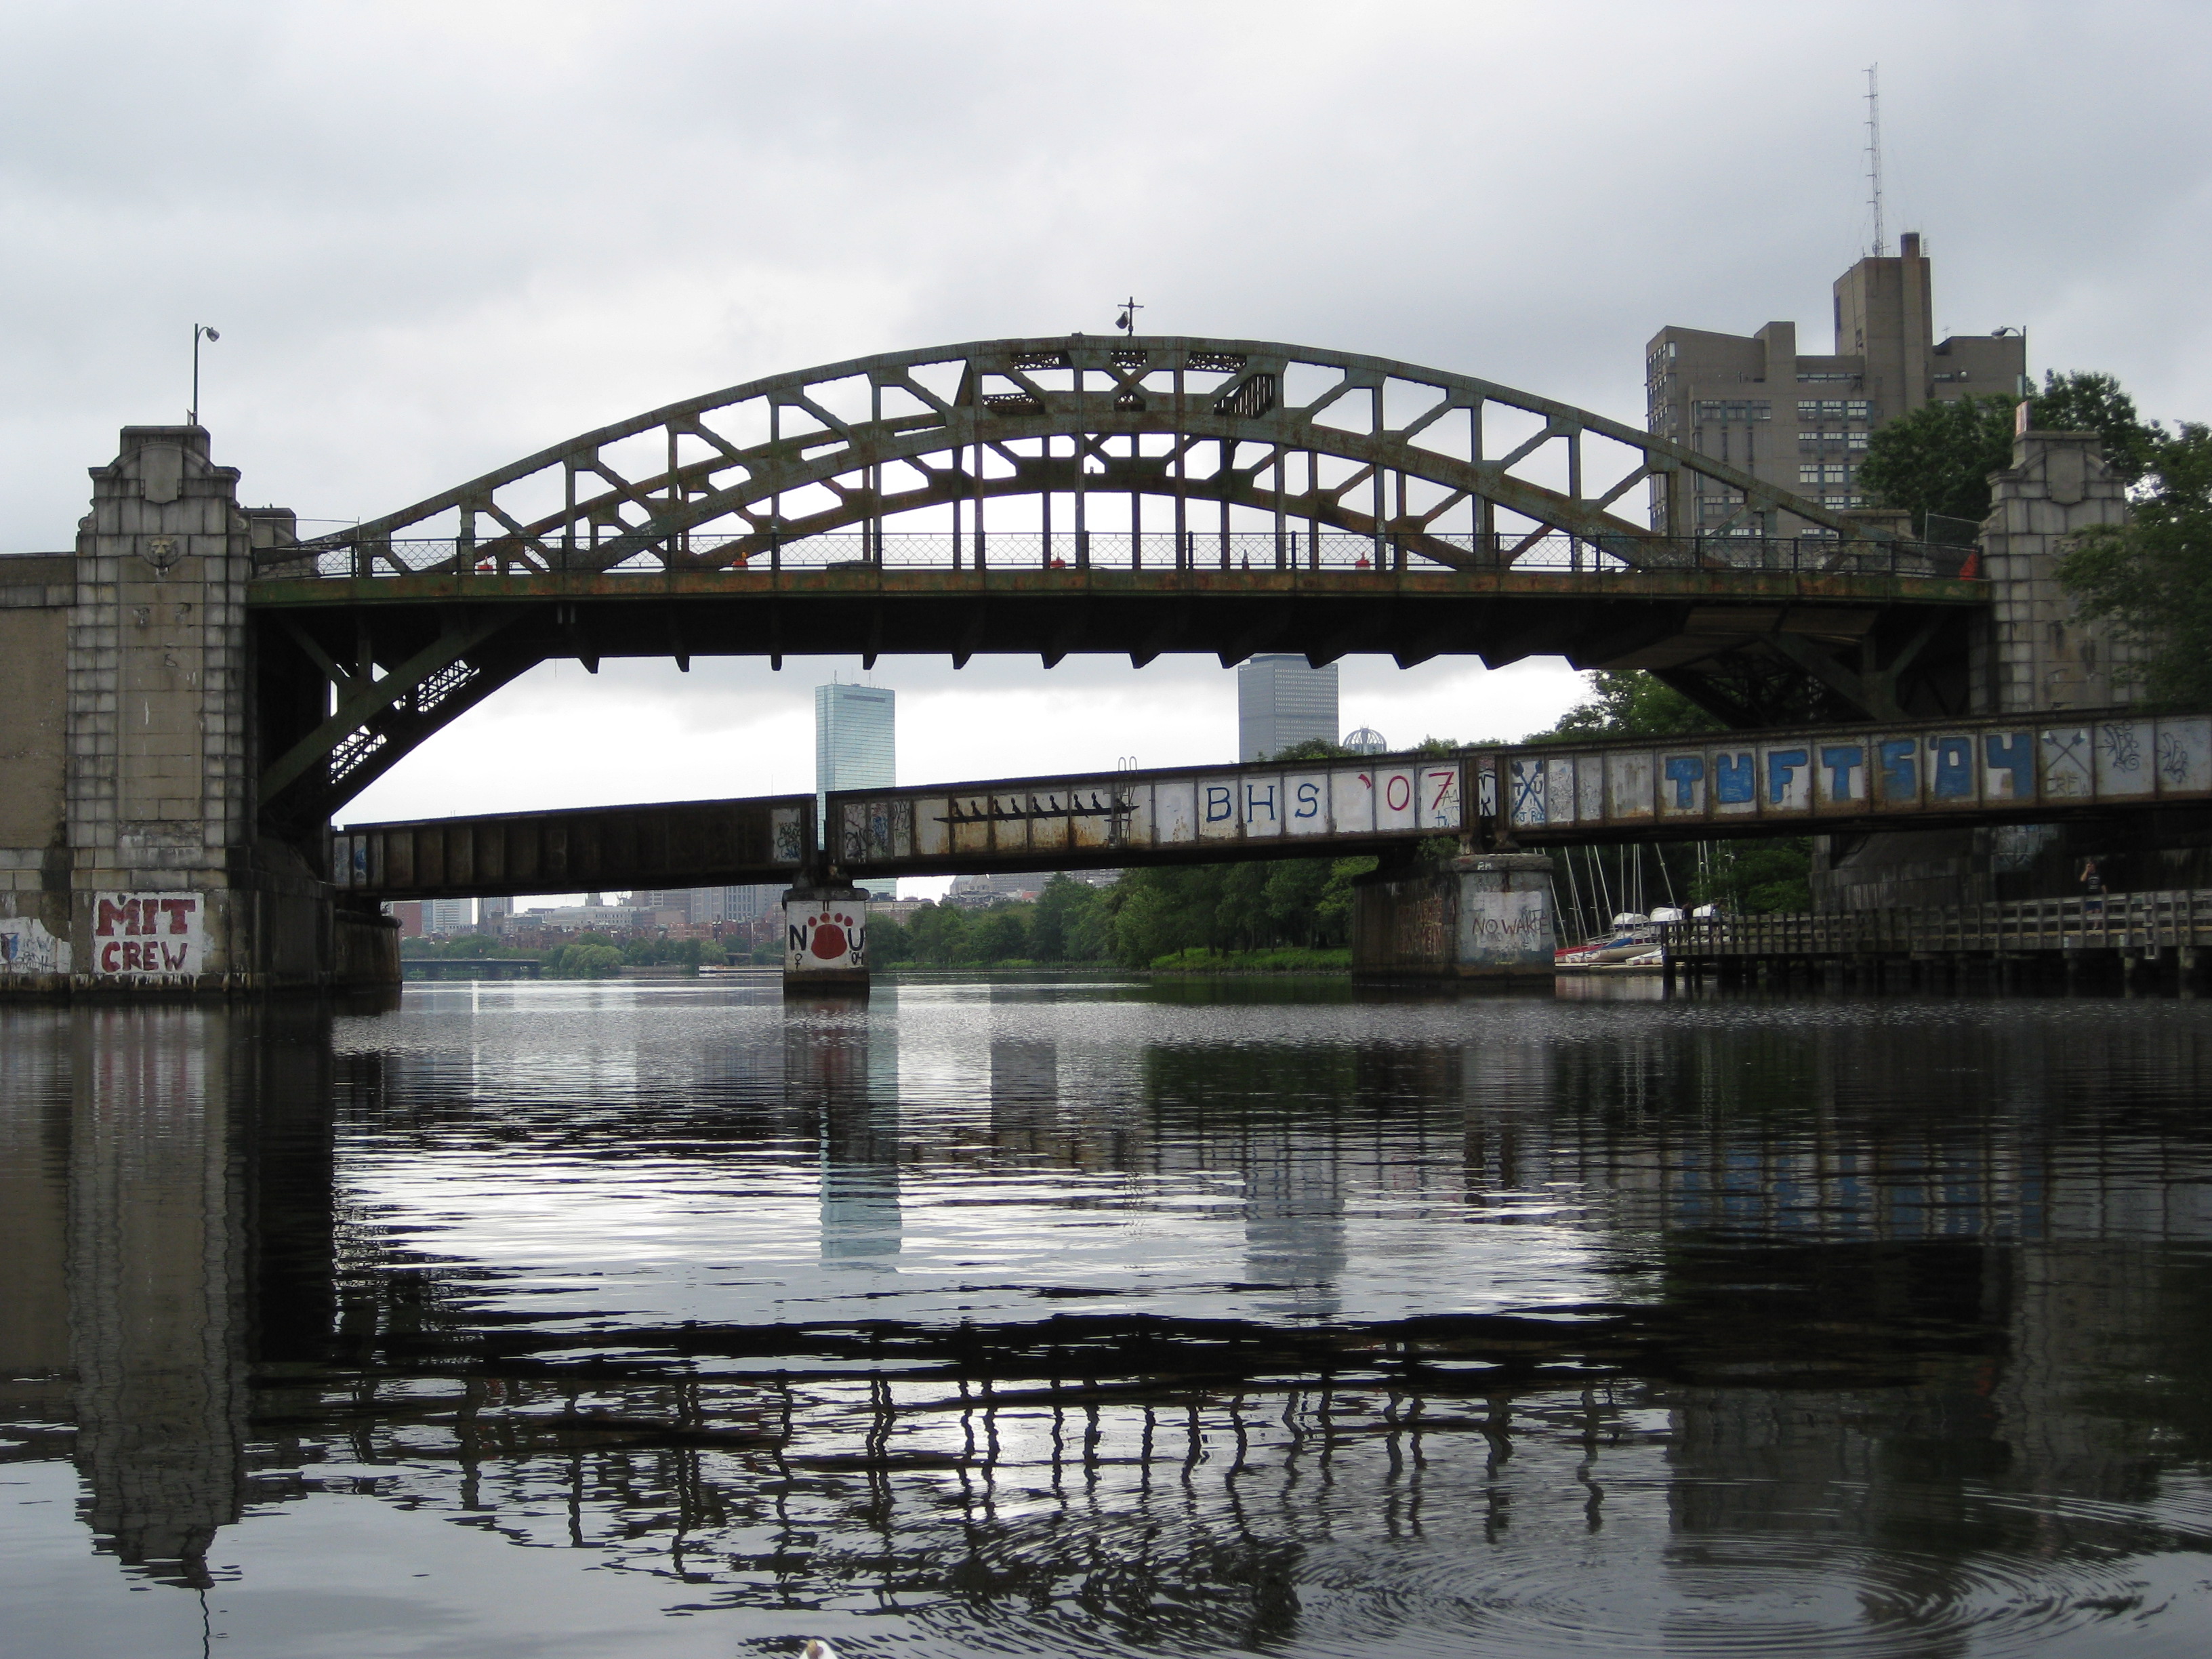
[[129, 845]]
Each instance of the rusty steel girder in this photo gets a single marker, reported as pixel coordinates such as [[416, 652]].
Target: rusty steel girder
[[1326, 441]]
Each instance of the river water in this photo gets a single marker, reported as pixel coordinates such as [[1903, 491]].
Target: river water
[[1073, 1317]]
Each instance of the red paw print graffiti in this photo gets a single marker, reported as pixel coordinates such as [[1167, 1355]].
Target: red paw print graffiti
[[833, 934], [829, 935]]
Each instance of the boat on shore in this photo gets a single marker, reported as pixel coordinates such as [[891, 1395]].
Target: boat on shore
[[1630, 944]]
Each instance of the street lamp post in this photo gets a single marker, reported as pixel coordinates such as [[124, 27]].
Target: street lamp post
[[200, 332]]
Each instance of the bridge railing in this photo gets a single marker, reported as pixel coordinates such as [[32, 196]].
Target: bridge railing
[[2109, 921], [1191, 549]]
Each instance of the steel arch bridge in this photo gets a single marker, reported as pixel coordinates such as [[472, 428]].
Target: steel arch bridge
[[1137, 494]]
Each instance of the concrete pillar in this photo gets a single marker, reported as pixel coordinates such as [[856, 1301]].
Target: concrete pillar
[[2037, 653], [170, 888], [1507, 926], [825, 940], [1486, 916]]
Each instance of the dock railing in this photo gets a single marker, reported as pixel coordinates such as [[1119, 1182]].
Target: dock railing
[[2142, 923]]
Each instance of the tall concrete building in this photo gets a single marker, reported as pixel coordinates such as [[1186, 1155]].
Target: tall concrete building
[[449, 916], [1281, 701], [1802, 421], [855, 746]]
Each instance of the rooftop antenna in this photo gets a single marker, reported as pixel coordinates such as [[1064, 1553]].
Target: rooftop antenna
[[1874, 154]]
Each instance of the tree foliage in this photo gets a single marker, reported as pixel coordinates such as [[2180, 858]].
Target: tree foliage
[[2086, 402], [2152, 576], [1938, 458], [1151, 913], [1629, 703]]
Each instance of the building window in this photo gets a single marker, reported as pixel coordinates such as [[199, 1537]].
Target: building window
[[1858, 440], [1817, 375], [1823, 473], [1858, 409], [1737, 414]]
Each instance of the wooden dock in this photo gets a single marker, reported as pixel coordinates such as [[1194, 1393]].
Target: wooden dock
[[2125, 934]]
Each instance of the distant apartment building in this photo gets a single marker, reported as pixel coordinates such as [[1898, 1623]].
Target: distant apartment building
[[703, 907], [1280, 701], [1802, 421], [449, 916], [855, 746], [615, 919]]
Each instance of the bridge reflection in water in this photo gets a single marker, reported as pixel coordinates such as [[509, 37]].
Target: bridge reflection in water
[[1055, 1317]]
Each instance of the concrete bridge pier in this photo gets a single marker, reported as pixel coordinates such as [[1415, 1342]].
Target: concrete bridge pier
[[1484, 917], [130, 860], [825, 940]]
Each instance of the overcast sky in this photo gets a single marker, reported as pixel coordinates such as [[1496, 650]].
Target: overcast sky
[[437, 237]]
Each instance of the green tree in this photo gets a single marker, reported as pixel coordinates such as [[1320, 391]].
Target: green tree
[[1061, 909], [998, 934], [2152, 576], [935, 934], [2087, 402], [1938, 458], [889, 942], [1166, 909], [582, 960], [1756, 877], [1629, 703]]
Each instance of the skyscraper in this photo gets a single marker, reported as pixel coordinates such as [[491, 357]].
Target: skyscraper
[[1801, 421], [855, 747], [1281, 701]]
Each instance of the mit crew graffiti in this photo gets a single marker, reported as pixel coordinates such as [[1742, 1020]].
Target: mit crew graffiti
[[148, 935]]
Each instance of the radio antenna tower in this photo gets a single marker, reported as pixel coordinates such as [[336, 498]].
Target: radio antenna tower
[[1874, 154]]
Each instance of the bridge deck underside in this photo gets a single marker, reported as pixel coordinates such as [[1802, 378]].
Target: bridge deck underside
[[1658, 619]]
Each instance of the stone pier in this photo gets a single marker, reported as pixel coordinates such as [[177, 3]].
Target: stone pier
[[1484, 917], [825, 940], [129, 849]]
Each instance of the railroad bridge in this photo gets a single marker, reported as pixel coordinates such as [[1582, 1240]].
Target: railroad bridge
[[204, 691]]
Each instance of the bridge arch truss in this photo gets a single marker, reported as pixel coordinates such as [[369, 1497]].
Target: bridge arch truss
[[1194, 453], [1428, 464]]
